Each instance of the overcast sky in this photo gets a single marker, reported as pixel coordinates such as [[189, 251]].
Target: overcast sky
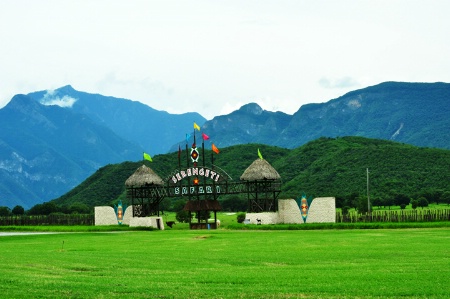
[[214, 56]]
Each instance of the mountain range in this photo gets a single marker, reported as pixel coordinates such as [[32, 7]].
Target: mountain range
[[51, 141], [413, 113]]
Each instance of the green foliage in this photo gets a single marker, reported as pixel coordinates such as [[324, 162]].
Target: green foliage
[[203, 215], [18, 210], [45, 208], [4, 211], [240, 217], [182, 216], [324, 167], [362, 206], [79, 208], [446, 197], [234, 203], [402, 199], [422, 202]]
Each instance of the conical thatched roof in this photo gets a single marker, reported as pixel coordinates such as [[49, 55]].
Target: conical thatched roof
[[260, 169], [143, 176]]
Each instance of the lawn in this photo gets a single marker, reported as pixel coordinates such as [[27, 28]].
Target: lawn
[[384, 263]]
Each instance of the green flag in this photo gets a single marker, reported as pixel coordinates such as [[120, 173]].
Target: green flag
[[259, 154], [147, 157]]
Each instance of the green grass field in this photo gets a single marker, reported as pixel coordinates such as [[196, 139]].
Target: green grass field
[[384, 263]]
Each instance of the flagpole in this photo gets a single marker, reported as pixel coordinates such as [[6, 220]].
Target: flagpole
[[368, 198], [203, 151], [179, 156]]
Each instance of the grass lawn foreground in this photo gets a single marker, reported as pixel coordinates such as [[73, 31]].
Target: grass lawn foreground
[[385, 263]]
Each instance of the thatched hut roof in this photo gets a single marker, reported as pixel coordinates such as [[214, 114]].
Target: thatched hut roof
[[260, 169], [202, 205], [143, 176]]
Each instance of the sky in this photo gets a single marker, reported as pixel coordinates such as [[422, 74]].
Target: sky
[[212, 57]]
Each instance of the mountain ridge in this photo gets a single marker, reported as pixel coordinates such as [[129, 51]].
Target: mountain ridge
[[413, 113], [77, 132]]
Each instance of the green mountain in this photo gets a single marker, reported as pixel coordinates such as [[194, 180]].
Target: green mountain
[[323, 167]]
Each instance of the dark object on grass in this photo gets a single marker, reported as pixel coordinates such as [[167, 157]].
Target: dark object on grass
[[170, 223]]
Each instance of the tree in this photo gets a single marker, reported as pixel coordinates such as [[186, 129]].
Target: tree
[[446, 197], [45, 208], [361, 204], [234, 204], [18, 210], [79, 208], [389, 202], [179, 205], [5, 211], [414, 203], [165, 204], [182, 216], [423, 202], [203, 215], [401, 199], [377, 202]]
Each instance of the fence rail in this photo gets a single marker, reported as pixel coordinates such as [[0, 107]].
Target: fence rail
[[47, 220], [396, 216], [352, 217]]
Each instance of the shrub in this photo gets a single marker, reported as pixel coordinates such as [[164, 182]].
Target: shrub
[[240, 217], [182, 216], [423, 202]]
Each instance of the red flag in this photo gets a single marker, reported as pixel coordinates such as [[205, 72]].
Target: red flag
[[215, 149], [205, 137]]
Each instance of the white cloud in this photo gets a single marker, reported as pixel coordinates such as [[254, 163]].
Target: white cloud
[[51, 99]]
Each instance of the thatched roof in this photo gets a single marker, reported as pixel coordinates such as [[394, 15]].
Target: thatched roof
[[260, 169], [143, 176], [202, 205]]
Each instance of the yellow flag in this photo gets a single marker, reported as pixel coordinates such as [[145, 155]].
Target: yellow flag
[[147, 157], [196, 126]]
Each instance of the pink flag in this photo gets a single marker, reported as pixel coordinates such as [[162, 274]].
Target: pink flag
[[205, 137]]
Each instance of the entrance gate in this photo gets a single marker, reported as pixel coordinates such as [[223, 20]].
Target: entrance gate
[[202, 186]]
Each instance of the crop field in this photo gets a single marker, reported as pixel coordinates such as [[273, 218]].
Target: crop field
[[384, 263]]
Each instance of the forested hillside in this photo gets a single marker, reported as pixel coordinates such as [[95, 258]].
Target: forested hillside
[[324, 167]]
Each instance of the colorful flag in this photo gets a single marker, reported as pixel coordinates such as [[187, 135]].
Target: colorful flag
[[147, 157], [259, 154], [196, 127], [215, 149], [205, 137], [187, 137]]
